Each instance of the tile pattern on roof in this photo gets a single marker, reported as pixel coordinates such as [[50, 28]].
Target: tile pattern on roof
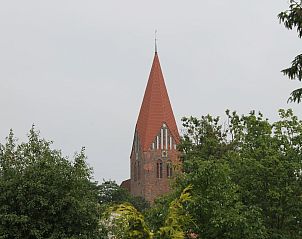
[[156, 108]]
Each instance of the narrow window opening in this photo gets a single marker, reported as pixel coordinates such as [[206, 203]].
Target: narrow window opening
[[159, 170]]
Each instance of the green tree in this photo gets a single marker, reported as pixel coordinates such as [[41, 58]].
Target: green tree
[[292, 19], [155, 216], [177, 218], [44, 195], [216, 206], [246, 175], [128, 223], [110, 193], [125, 222]]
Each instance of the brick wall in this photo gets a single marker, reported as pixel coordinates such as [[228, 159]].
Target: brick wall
[[148, 185]]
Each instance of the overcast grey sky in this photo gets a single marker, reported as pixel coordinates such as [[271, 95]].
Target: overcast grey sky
[[78, 69]]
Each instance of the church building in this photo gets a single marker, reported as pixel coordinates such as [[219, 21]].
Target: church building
[[154, 158]]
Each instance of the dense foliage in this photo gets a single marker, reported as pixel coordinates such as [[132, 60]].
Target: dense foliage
[[246, 176], [125, 222], [110, 193], [292, 19], [44, 195]]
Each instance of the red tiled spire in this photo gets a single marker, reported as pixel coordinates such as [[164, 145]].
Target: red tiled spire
[[156, 108]]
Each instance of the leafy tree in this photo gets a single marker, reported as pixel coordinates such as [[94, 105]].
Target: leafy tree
[[128, 223], [111, 193], [44, 195], [216, 206], [139, 203], [177, 217], [292, 19], [245, 174], [125, 222], [155, 216]]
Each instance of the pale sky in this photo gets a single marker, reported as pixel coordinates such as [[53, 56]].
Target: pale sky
[[78, 69]]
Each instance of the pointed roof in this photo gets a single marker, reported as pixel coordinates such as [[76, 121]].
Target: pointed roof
[[156, 108]]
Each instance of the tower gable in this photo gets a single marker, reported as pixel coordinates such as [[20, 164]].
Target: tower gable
[[164, 139]]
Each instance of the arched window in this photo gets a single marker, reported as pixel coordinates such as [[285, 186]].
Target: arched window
[[159, 169], [169, 170]]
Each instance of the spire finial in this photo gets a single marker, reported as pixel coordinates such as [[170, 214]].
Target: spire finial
[[155, 38]]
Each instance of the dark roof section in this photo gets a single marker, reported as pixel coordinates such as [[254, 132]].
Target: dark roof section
[[126, 184]]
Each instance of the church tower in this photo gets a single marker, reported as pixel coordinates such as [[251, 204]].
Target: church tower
[[154, 159]]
